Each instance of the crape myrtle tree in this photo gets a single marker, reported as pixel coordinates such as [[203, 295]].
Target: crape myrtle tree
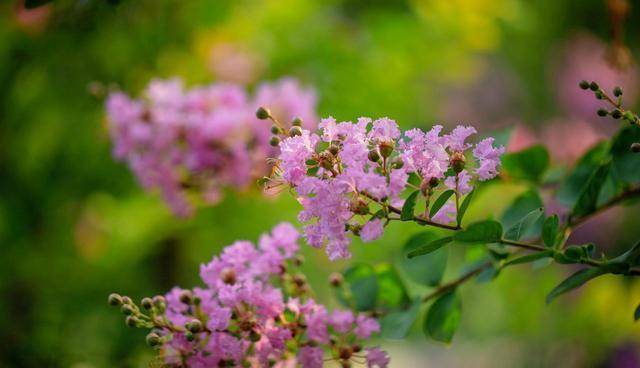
[[351, 179]]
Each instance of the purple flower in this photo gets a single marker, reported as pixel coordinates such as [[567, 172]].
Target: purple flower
[[365, 326], [310, 357], [455, 141], [377, 358], [488, 158], [372, 230]]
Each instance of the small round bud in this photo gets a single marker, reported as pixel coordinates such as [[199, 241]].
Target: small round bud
[[635, 147], [197, 300], [274, 141], [297, 122], [359, 206], [194, 326], [159, 302], [189, 335], [146, 303], [131, 321], [386, 148], [344, 353], [356, 348], [374, 156], [126, 309], [458, 161], [298, 260], [334, 149], [628, 115], [299, 280], [573, 252], [228, 276], [263, 113], [294, 131], [275, 129], [584, 84], [594, 86], [617, 91], [336, 279], [397, 163], [186, 297], [153, 339], [115, 300], [126, 300], [326, 160], [254, 336], [616, 114], [433, 182], [599, 95], [602, 112]]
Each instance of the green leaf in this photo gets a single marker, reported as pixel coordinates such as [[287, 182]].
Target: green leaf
[[572, 187], [409, 206], [392, 292], [488, 231], [427, 269], [631, 256], [360, 289], [588, 198], [396, 325], [464, 206], [438, 203], [530, 258], [528, 164], [626, 163], [525, 203], [574, 281], [522, 226], [430, 247], [443, 318], [550, 230], [636, 314]]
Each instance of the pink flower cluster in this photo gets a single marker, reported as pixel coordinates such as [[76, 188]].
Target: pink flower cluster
[[254, 311], [345, 168], [196, 142]]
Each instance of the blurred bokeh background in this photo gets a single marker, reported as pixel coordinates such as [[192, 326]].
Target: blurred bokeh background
[[75, 226]]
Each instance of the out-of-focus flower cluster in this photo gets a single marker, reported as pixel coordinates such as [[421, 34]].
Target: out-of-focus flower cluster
[[346, 169], [196, 142], [254, 312]]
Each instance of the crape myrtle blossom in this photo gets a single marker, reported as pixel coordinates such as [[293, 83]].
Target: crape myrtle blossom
[[351, 177], [193, 143], [254, 310]]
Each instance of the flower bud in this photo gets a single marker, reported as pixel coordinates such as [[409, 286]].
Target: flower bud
[[296, 122], [603, 112], [374, 156], [458, 161], [397, 163], [294, 131], [584, 84], [274, 141], [617, 91], [628, 115], [336, 279], [573, 252], [254, 336], [334, 149], [594, 86], [359, 206], [263, 113], [228, 276], [344, 353], [194, 326], [197, 300], [146, 303], [356, 348], [298, 260], [186, 297], [616, 114], [275, 129], [115, 300], [386, 148], [153, 339], [126, 300], [131, 321], [425, 187], [599, 95], [189, 336], [160, 303], [635, 147], [326, 160], [126, 309]]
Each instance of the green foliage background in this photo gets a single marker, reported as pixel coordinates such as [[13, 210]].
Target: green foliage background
[[74, 225]]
